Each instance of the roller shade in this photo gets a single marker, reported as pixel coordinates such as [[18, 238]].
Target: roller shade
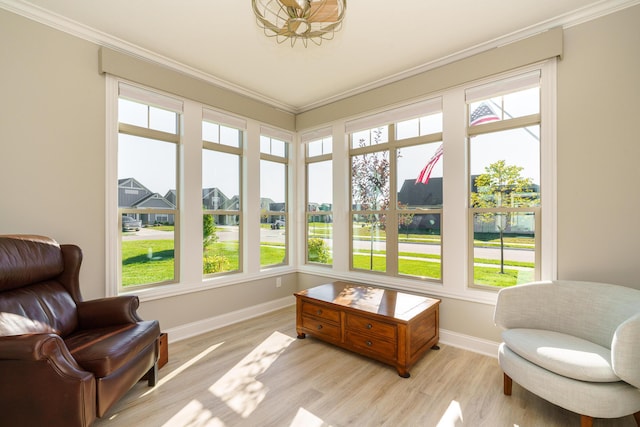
[[407, 112]]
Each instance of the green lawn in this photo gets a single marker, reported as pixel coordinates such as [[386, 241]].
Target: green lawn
[[140, 266], [147, 261]]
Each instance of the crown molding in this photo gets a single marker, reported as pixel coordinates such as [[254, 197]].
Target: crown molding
[[576, 17], [82, 31], [43, 16]]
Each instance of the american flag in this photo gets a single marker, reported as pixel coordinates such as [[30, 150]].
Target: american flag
[[482, 114], [425, 173]]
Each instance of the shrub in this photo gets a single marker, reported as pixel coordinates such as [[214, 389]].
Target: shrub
[[318, 251], [214, 264]]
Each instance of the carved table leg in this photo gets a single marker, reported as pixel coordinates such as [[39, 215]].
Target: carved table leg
[[301, 335]]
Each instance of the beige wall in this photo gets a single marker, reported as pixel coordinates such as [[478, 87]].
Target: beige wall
[[52, 168], [599, 151], [52, 133]]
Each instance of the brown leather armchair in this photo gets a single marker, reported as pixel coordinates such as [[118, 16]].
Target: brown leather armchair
[[64, 361]]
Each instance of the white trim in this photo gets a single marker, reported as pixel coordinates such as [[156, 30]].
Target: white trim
[[549, 173], [112, 250], [468, 342]]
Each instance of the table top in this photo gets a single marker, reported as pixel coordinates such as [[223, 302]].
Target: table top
[[384, 302]]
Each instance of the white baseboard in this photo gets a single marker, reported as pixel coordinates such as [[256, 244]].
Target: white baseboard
[[466, 342], [206, 325]]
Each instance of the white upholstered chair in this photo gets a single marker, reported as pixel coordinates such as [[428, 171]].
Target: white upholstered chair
[[575, 344]]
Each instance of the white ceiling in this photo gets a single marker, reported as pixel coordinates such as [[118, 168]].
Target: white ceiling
[[380, 40]]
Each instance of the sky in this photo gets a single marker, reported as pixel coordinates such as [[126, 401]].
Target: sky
[[153, 163]]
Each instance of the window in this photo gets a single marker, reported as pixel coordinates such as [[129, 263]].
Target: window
[[396, 193], [319, 197], [504, 188], [481, 154], [148, 202], [274, 181], [223, 140]]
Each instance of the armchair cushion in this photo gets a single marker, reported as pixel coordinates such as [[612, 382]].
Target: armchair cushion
[[105, 350], [563, 354]]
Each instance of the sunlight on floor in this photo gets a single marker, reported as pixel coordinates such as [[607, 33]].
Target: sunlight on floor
[[239, 388], [171, 375], [305, 418], [194, 414], [452, 416]]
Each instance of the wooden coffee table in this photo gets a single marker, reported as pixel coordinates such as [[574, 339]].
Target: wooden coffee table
[[392, 327]]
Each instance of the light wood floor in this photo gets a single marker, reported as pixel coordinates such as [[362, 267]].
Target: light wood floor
[[256, 373]]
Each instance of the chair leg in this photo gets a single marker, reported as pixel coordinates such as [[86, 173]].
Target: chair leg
[[586, 421], [637, 417], [152, 375], [508, 385]]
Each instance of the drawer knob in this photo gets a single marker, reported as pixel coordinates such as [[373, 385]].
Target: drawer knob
[[369, 343], [319, 327], [319, 312], [369, 326]]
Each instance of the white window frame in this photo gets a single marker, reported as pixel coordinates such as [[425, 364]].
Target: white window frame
[[306, 139], [287, 139], [455, 213], [222, 119]]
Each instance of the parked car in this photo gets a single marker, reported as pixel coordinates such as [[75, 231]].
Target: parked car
[[130, 224], [277, 224]]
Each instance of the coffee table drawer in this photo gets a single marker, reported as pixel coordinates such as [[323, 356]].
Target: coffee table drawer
[[320, 311], [369, 344], [367, 326], [317, 326]]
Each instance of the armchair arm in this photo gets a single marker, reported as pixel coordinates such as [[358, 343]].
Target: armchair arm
[[524, 306], [42, 384], [42, 347], [625, 349], [103, 312]]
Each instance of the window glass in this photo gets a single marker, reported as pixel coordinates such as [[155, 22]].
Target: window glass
[[504, 191], [146, 116], [319, 147], [220, 199], [370, 181], [273, 202], [369, 137], [273, 146], [509, 106], [369, 242], [419, 177], [319, 212], [419, 126], [147, 202], [419, 204]]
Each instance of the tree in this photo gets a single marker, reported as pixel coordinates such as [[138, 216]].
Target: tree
[[370, 184], [405, 219], [209, 235], [502, 185]]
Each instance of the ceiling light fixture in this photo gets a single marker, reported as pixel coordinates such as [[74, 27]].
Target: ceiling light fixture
[[314, 20]]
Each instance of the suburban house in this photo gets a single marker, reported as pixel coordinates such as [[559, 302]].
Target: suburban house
[[132, 194], [61, 80]]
